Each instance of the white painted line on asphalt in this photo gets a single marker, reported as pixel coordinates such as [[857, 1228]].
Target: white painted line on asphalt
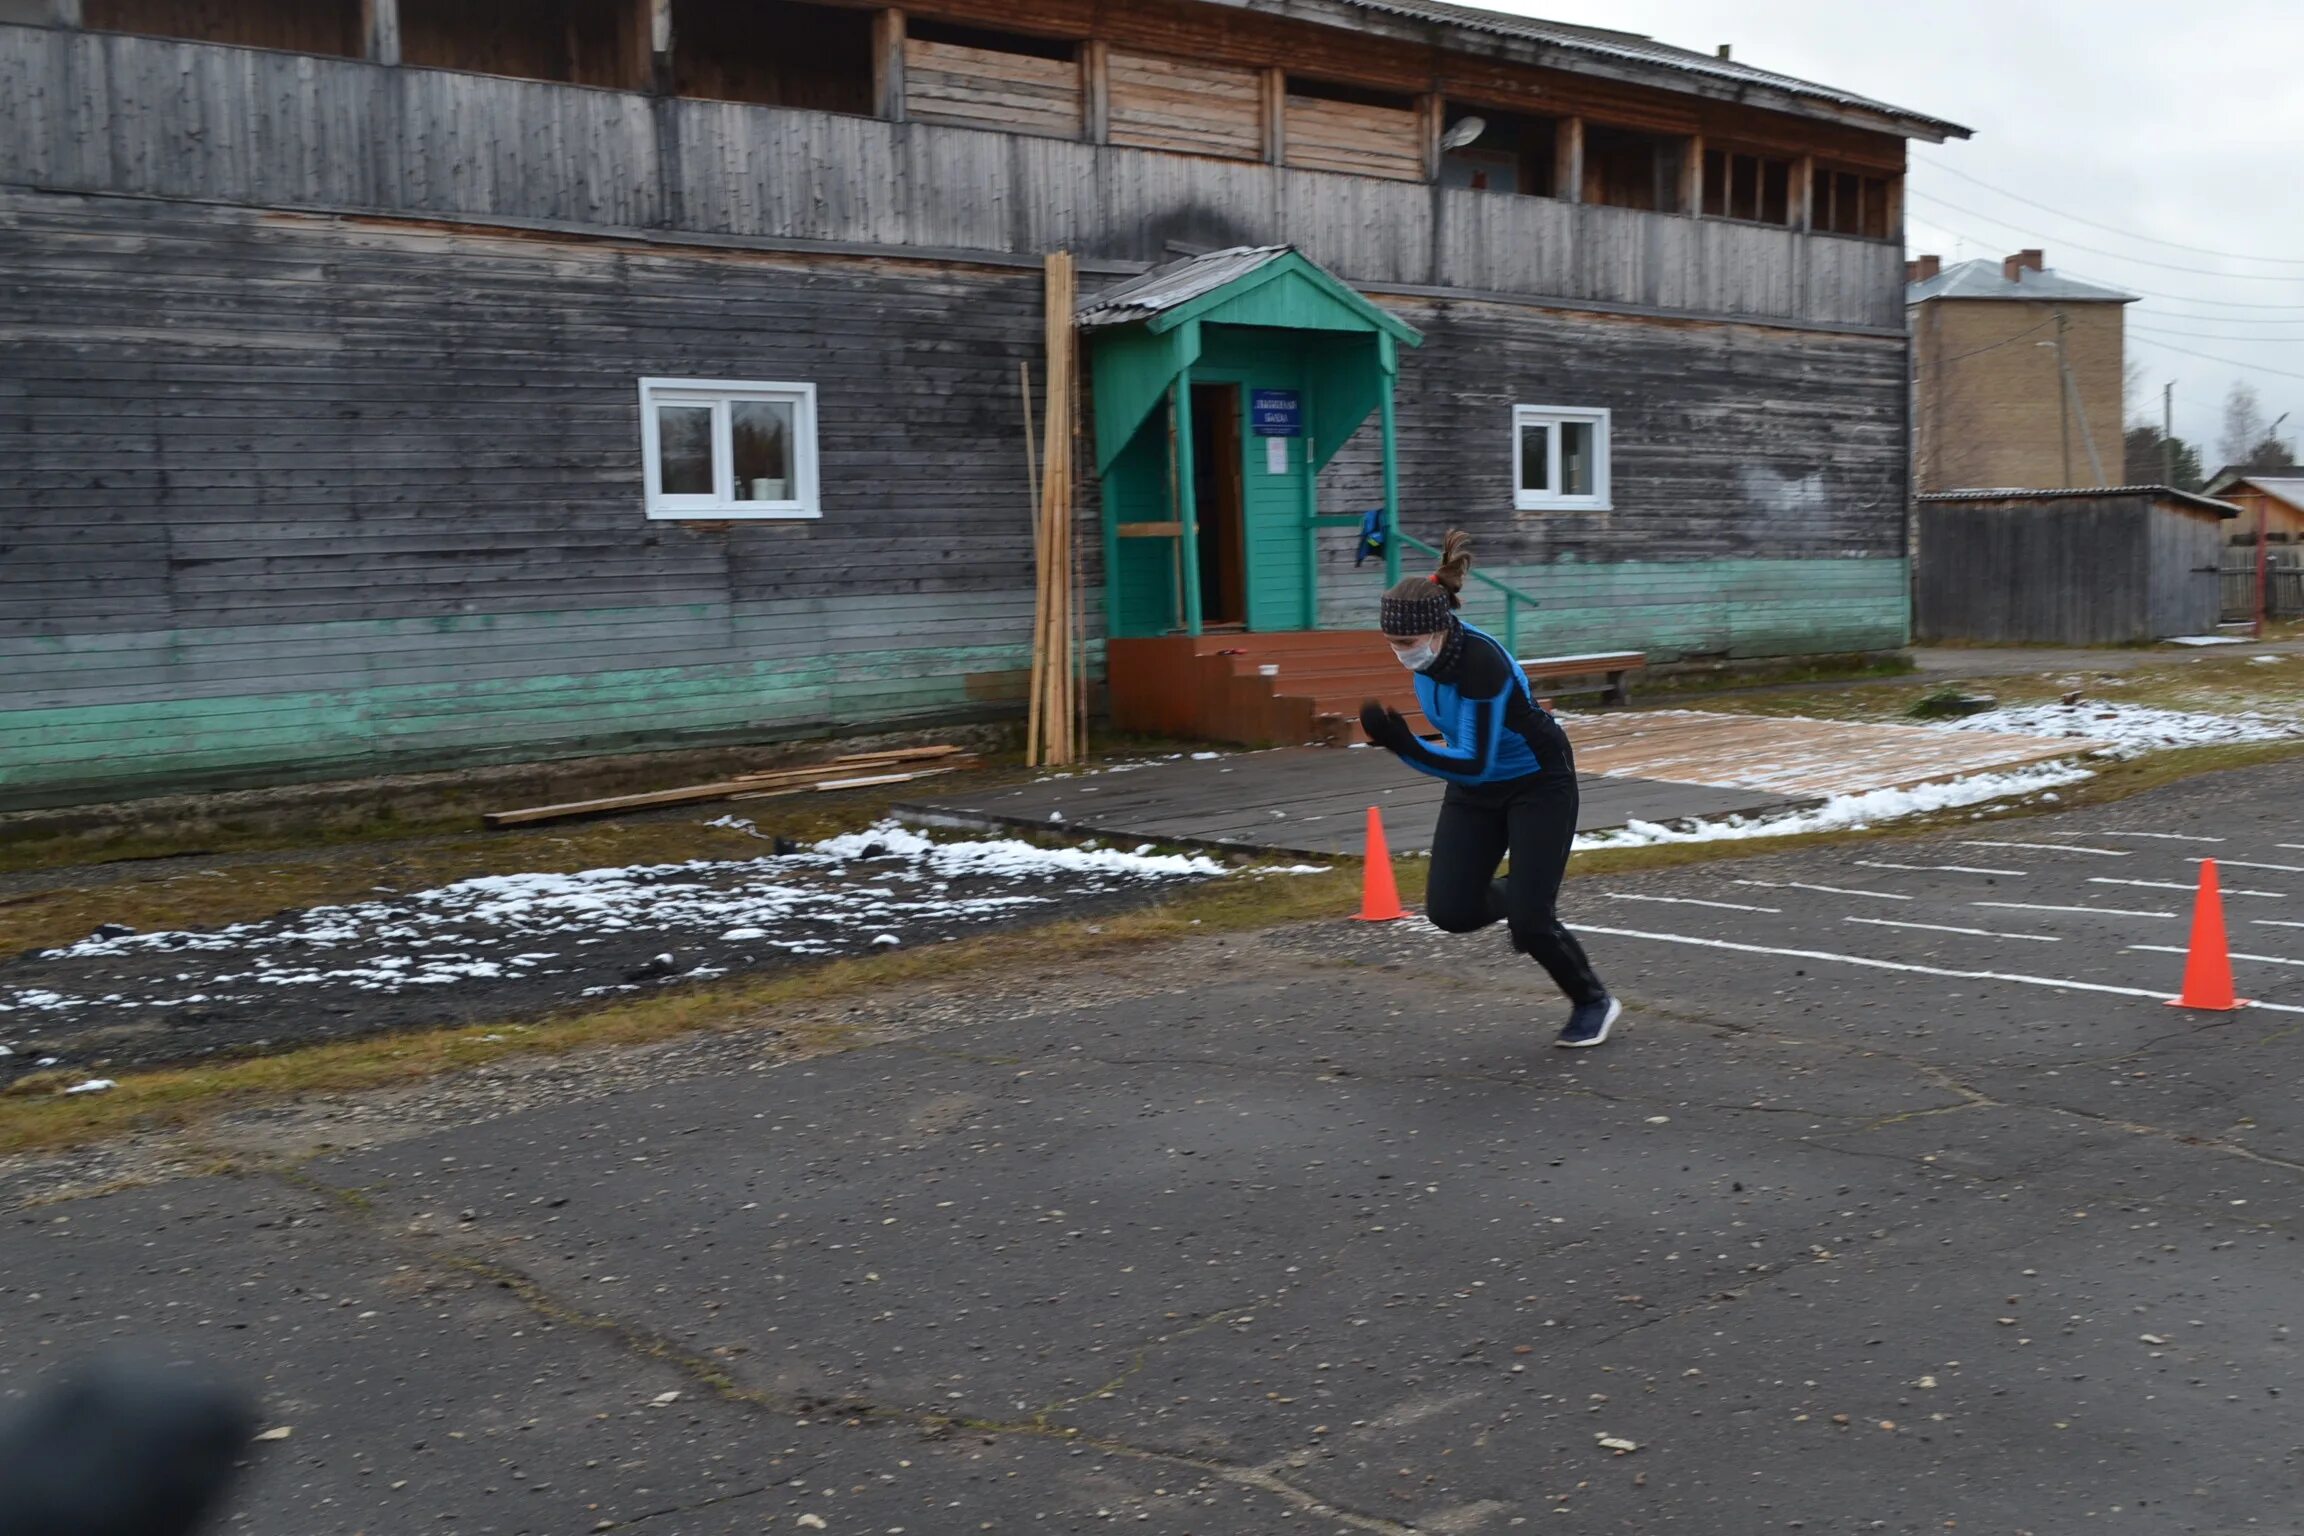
[[2026, 906], [2177, 885], [2171, 837], [2102, 853], [2178, 949], [1690, 901], [1829, 890], [1868, 963], [1950, 869], [1981, 933], [2273, 922], [2285, 869]]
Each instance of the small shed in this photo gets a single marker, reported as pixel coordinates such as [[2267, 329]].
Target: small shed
[[2112, 565]]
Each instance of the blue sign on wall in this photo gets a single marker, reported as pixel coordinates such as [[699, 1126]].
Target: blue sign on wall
[[1277, 412]]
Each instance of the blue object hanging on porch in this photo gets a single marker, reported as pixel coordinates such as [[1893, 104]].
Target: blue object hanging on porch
[[1371, 536]]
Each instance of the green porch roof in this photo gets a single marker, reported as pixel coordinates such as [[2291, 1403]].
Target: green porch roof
[[1146, 332]]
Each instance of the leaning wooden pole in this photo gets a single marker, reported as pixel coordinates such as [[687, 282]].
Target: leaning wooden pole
[[1051, 736], [1032, 482]]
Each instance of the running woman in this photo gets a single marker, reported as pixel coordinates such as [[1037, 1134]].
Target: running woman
[[1511, 785]]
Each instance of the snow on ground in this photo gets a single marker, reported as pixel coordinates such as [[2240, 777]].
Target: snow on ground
[[1849, 812], [2129, 730], [841, 896], [2204, 640]]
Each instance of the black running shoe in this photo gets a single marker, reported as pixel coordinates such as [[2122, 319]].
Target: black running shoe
[[1590, 1023]]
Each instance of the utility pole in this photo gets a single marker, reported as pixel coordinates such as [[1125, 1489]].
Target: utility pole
[[2168, 434], [2063, 397]]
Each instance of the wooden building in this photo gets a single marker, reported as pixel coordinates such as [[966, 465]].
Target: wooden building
[[2271, 503], [2114, 566], [405, 383], [2017, 374]]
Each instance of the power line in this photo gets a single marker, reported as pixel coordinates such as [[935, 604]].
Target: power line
[[2146, 330], [2179, 298], [1995, 346], [2097, 250], [2197, 250], [2226, 361]]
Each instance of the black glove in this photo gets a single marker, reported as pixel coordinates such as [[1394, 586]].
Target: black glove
[[1384, 726]]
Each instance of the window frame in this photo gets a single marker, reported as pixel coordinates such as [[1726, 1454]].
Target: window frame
[[1600, 419], [805, 502]]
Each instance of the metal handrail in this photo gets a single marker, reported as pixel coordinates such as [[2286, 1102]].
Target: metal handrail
[[1513, 596]]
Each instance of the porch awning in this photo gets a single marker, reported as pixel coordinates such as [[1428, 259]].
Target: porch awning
[[1148, 333]]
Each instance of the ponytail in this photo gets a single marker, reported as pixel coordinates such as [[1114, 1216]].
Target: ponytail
[[1455, 565]]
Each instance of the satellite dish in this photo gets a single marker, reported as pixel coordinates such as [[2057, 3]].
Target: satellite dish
[[1462, 132]]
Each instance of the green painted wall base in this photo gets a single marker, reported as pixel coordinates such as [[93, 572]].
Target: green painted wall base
[[1673, 610]]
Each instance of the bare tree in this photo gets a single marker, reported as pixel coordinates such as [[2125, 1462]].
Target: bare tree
[[2244, 426]]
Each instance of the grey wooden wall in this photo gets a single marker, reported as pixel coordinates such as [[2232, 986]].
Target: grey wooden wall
[[287, 494], [2096, 570], [106, 113]]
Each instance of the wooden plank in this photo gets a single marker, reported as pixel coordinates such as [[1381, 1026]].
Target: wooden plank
[[1326, 135], [982, 88], [1096, 90], [1568, 160], [1184, 106], [380, 30], [1167, 530], [888, 87]]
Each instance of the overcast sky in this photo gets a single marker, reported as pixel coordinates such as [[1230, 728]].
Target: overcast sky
[[2139, 125]]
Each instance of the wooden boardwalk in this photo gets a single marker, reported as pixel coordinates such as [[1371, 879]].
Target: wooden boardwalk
[[1793, 756], [1660, 766]]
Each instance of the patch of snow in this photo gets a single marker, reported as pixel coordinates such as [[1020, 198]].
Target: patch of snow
[[490, 927], [2204, 640], [1206, 757], [93, 1085], [1845, 812], [2129, 730]]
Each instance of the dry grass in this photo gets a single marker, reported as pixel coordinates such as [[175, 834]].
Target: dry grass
[[35, 1117]]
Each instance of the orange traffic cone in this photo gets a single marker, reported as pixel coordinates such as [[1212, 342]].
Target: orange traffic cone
[[1379, 893], [2208, 964]]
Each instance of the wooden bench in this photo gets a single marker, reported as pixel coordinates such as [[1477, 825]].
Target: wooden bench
[[1611, 665]]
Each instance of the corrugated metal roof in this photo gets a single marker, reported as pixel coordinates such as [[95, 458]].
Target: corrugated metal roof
[[2086, 493], [1984, 278], [1631, 47], [2280, 487], [1179, 282]]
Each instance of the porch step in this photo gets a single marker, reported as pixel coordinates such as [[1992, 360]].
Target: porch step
[[1213, 687]]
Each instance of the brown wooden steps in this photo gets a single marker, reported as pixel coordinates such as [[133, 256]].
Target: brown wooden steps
[[1213, 688]]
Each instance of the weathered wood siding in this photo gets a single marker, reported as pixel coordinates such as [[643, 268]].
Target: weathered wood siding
[[1757, 481], [1186, 106], [978, 88], [2095, 570], [1355, 139], [294, 495], [87, 112]]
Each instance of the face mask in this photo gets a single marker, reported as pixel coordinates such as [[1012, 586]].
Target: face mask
[[1423, 654]]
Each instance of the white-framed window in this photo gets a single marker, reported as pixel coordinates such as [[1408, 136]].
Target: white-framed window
[[1559, 458], [718, 448]]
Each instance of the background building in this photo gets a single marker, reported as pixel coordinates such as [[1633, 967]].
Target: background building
[[2016, 376], [404, 383]]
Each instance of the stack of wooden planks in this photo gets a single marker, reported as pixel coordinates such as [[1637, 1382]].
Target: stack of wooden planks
[[1056, 731], [861, 770]]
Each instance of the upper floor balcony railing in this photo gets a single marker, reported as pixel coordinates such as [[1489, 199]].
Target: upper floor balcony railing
[[119, 114]]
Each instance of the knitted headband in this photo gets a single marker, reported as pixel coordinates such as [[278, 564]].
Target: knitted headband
[[1416, 608]]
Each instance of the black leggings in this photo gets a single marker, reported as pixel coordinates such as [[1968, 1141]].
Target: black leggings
[[1533, 819]]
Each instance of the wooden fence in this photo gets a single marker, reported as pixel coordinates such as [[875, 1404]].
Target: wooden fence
[[2283, 590]]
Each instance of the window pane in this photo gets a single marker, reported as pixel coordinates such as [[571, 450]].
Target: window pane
[[1535, 457], [761, 439], [1576, 458], [684, 450]]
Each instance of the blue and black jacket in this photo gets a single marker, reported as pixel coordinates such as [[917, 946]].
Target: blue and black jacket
[[1480, 699]]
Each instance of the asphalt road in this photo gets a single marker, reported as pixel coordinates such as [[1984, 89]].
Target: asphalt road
[[1859, 1226]]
